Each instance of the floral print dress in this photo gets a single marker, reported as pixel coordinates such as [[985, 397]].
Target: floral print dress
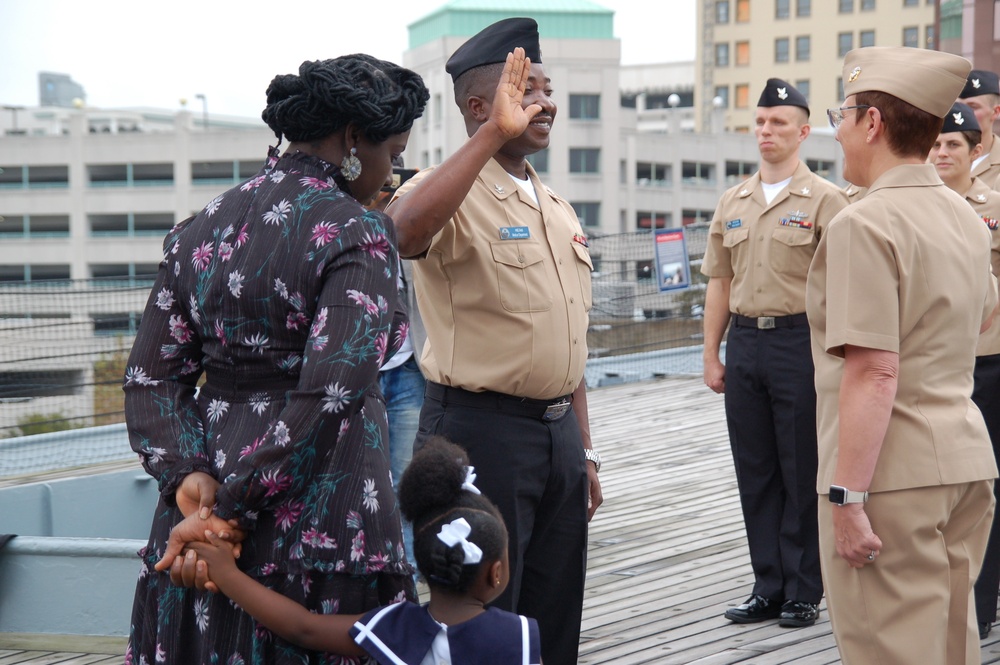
[[281, 293]]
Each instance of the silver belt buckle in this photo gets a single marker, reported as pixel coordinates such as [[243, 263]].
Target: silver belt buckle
[[765, 323], [557, 410]]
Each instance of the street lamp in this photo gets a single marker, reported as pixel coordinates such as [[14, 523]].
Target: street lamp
[[204, 110]]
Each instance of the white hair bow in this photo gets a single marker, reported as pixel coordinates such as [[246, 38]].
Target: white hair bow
[[456, 533], [470, 479]]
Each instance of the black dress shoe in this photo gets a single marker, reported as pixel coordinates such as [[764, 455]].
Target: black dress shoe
[[754, 610], [984, 629], [796, 614]]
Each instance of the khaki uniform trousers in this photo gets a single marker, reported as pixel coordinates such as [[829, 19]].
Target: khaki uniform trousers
[[914, 604]]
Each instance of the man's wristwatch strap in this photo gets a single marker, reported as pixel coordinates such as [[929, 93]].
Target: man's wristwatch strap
[[593, 456]]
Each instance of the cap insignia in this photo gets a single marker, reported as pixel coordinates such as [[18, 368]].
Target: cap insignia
[[959, 120], [782, 93], [976, 84], [854, 75]]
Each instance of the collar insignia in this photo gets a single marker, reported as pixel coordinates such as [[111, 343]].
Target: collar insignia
[[499, 189], [805, 191], [981, 198], [744, 192], [854, 75]]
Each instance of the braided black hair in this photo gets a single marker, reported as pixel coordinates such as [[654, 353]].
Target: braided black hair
[[431, 495], [382, 98]]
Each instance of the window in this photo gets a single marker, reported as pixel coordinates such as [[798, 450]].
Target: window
[[539, 161], [35, 226], [437, 108], [867, 5], [742, 96], [846, 6], [125, 175], [648, 174], [742, 11], [782, 9], [722, 92], [742, 54], [36, 177], [821, 167], [911, 37], [122, 323], [803, 48], [651, 220], [911, 3], [739, 171], [781, 49], [698, 173], [689, 217], [119, 274], [131, 224], [584, 107], [845, 42], [866, 38], [802, 86], [722, 55], [840, 88], [644, 269], [589, 212], [722, 11], [584, 160], [34, 273], [803, 8], [929, 42]]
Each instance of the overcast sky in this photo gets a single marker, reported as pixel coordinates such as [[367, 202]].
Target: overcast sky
[[141, 53]]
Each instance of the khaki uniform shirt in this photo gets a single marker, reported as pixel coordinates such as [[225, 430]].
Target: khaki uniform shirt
[[855, 193], [988, 170], [766, 248], [906, 270], [986, 203], [507, 315]]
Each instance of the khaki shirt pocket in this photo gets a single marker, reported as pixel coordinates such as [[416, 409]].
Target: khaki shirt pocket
[[735, 240], [585, 266], [521, 276], [792, 249]]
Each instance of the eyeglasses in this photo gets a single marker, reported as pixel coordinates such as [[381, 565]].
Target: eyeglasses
[[836, 116]]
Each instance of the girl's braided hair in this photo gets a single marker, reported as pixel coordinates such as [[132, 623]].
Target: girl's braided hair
[[431, 495], [382, 98]]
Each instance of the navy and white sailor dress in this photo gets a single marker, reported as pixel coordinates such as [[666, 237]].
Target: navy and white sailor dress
[[406, 634]]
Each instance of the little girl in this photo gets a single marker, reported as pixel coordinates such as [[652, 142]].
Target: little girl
[[460, 544]]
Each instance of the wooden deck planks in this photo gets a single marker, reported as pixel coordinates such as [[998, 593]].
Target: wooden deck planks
[[667, 551]]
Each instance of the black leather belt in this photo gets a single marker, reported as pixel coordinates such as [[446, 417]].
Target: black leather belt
[[542, 409], [770, 322]]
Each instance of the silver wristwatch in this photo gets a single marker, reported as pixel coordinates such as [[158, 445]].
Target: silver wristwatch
[[842, 496], [593, 456]]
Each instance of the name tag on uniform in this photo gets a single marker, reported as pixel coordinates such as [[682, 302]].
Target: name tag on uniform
[[734, 224], [515, 233]]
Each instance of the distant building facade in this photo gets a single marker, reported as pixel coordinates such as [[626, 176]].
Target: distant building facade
[[742, 43]]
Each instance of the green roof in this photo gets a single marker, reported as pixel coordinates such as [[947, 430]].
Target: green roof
[[557, 19]]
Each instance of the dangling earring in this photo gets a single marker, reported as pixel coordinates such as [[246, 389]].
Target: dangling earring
[[350, 167]]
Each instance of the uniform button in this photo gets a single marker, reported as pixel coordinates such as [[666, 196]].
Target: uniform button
[[572, 300], [520, 259], [759, 290], [560, 261], [759, 264], [761, 238]]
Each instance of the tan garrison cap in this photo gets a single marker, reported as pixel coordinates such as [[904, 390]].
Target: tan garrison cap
[[929, 80]]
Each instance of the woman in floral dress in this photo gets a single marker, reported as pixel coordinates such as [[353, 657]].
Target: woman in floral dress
[[281, 295]]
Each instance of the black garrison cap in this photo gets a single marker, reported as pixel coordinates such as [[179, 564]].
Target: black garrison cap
[[492, 44], [961, 118], [980, 82], [780, 93]]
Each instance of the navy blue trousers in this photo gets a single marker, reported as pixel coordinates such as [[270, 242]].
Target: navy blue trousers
[[771, 413]]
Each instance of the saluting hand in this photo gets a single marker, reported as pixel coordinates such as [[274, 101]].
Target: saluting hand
[[507, 112]]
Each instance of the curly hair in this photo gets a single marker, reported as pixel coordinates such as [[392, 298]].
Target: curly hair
[[430, 495], [382, 98]]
